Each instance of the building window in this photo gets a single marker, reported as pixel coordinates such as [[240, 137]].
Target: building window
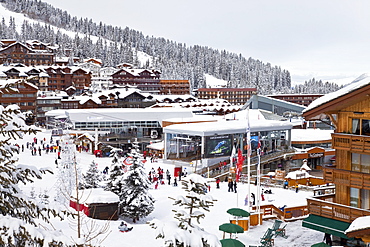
[[359, 198], [361, 126], [354, 197], [360, 163]]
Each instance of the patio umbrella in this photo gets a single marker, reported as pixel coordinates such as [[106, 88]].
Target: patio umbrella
[[231, 243], [238, 212], [230, 228], [322, 244]]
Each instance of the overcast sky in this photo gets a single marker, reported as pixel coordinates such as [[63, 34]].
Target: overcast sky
[[325, 39]]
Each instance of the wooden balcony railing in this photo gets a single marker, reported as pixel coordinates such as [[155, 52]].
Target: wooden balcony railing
[[335, 211], [348, 178], [349, 142]]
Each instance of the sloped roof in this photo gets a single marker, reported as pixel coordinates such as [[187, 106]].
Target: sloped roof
[[348, 95]]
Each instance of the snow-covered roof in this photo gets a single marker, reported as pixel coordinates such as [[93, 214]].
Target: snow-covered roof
[[121, 114], [298, 174], [224, 127], [156, 145], [311, 135], [359, 82], [98, 195], [359, 223]]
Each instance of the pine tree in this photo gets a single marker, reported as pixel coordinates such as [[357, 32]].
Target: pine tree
[[115, 173], [188, 233], [92, 177], [135, 201], [17, 209], [68, 170]]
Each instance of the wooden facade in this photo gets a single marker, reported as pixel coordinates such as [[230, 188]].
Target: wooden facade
[[24, 96], [177, 87], [349, 111], [144, 79], [30, 56], [233, 95]]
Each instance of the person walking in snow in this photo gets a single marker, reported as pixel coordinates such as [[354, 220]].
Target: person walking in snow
[[234, 185], [246, 201], [253, 199], [230, 185], [218, 183]]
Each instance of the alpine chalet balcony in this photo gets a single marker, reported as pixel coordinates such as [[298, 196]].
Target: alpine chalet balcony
[[350, 142], [348, 178], [334, 210]]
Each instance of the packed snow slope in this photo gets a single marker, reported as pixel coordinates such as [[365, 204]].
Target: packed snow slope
[[142, 234]]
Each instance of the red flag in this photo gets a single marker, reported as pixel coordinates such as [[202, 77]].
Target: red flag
[[239, 166]]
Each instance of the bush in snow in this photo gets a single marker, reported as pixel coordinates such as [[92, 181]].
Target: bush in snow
[[184, 232], [18, 212], [135, 201]]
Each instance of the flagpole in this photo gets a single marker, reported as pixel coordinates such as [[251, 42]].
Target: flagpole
[[259, 183], [248, 162]]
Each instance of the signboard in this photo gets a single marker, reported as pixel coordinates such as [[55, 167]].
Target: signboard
[[279, 175], [216, 146], [315, 155]]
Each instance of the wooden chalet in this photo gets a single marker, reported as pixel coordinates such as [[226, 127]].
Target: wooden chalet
[[146, 80], [349, 111], [17, 52], [24, 94]]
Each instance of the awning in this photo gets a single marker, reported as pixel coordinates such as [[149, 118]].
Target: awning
[[326, 225]]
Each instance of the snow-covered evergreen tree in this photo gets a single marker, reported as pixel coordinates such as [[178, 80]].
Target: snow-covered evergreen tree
[[92, 177], [115, 172], [18, 212], [187, 233], [68, 171], [135, 200]]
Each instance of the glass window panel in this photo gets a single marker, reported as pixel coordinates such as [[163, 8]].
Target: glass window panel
[[365, 127], [356, 162], [365, 199], [356, 126], [354, 197], [365, 163]]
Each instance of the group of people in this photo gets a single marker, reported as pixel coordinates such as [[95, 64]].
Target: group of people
[[37, 146], [157, 177]]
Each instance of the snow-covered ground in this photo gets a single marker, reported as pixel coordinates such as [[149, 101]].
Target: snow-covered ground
[[142, 234]]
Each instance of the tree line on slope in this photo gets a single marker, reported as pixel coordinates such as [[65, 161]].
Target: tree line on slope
[[114, 45]]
